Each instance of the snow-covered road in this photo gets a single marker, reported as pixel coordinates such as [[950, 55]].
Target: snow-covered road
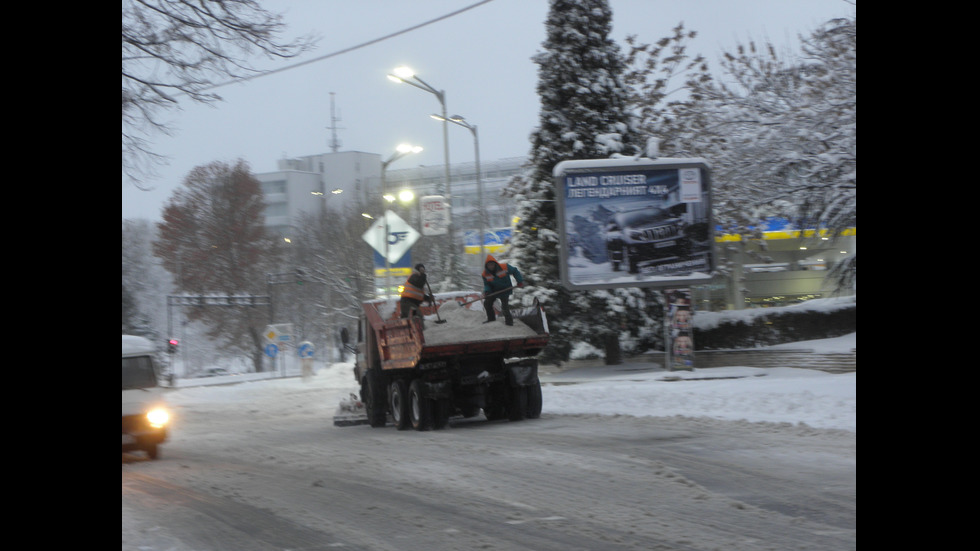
[[709, 463]]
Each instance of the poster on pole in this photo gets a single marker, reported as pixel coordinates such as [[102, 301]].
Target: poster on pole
[[631, 222], [679, 319], [435, 215]]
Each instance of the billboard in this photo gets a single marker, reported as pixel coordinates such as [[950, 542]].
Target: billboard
[[495, 241], [632, 222]]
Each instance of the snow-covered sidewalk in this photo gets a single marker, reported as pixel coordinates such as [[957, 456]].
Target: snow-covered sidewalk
[[774, 395]]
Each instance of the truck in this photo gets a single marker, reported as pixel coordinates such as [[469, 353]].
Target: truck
[[419, 372], [145, 416]]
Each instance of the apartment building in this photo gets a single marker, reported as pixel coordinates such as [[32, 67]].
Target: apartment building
[[352, 179]]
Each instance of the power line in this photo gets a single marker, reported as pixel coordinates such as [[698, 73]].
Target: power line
[[352, 48]]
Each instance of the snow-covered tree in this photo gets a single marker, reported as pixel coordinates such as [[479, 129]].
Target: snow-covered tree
[[336, 274], [779, 131], [145, 284], [662, 78], [584, 115]]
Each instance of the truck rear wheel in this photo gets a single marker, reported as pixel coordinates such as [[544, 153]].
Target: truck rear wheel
[[400, 403], [441, 413], [534, 400], [420, 409], [375, 399], [517, 403]]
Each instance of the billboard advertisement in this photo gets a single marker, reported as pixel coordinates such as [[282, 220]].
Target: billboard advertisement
[[495, 241], [632, 222]]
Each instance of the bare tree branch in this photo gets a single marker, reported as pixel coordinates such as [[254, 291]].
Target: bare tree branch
[[179, 48]]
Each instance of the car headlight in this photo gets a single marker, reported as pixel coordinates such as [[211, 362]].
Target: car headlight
[[157, 417]]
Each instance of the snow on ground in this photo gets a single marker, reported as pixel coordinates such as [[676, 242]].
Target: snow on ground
[[776, 395]]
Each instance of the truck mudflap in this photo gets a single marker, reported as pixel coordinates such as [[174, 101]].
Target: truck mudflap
[[523, 372]]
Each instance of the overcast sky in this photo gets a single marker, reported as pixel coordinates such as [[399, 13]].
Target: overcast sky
[[481, 58]]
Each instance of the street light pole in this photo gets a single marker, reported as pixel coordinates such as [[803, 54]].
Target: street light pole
[[325, 197], [401, 75], [401, 151], [460, 121]]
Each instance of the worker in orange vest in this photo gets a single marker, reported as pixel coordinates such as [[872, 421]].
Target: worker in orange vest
[[413, 292]]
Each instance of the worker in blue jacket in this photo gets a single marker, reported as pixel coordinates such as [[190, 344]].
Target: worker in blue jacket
[[496, 278]]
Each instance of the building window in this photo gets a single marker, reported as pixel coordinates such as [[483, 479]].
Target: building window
[[271, 188], [277, 209]]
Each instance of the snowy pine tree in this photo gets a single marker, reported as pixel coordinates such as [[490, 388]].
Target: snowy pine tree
[[584, 115]]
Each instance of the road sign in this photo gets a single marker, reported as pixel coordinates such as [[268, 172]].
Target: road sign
[[400, 236], [305, 350], [281, 332], [271, 350], [435, 215]]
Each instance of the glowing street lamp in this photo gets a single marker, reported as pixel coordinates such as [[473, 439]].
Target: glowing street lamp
[[406, 75], [400, 151]]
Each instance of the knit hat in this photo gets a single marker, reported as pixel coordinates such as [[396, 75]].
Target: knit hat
[[419, 266]]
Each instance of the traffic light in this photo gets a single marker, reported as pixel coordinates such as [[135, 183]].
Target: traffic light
[[172, 346]]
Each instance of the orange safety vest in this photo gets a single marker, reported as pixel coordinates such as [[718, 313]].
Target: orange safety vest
[[411, 291]]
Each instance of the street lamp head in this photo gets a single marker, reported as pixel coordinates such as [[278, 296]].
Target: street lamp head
[[408, 148], [406, 196], [403, 72]]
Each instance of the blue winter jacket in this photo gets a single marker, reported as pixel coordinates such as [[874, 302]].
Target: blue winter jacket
[[496, 277]]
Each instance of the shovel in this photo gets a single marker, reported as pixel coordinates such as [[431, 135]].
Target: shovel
[[438, 319], [486, 296]]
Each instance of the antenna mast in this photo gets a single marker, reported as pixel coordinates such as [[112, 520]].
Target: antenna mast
[[334, 142]]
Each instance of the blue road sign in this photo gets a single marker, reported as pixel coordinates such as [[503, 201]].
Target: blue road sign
[[271, 350], [305, 350]]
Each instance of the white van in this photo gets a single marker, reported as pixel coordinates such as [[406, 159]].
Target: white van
[[145, 418]]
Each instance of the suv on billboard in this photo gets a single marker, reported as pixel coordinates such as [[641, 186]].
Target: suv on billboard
[[648, 235]]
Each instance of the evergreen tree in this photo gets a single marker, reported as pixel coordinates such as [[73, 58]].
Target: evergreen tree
[[584, 115]]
